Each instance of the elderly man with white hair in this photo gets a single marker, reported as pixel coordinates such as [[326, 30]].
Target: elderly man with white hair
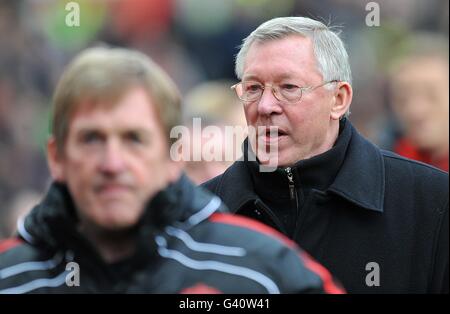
[[378, 221]]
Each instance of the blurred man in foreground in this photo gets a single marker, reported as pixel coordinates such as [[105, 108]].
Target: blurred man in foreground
[[121, 217]]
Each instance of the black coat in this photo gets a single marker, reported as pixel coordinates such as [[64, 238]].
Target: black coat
[[186, 242], [351, 206]]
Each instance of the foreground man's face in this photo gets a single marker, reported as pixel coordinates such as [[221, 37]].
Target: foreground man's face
[[115, 159]]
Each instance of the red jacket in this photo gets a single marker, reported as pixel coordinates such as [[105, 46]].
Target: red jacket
[[406, 148]]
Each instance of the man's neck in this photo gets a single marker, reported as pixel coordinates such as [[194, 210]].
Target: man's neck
[[327, 144], [113, 246]]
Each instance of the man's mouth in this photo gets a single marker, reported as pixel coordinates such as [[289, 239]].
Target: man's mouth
[[274, 134], [112, 189]]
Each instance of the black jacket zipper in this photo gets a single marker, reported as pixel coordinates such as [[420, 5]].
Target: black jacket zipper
[[293, 196]]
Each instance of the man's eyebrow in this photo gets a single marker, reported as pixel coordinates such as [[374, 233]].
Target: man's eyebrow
[[88, 129], [95, 129], [283, 76], [139, 130], [250, 77]]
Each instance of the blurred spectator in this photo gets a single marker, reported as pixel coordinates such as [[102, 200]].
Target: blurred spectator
[[420, 100], [216, 105], [18, 208]]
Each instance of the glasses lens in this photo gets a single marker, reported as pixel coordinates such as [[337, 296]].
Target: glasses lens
[[290, 93], [251, 91]]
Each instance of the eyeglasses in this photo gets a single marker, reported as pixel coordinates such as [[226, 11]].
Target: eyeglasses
[[250, 91]]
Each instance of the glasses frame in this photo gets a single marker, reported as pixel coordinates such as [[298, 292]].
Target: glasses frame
[[276, 93]]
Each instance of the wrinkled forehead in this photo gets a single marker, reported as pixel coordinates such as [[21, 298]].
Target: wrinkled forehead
[[296, 41], [288, 57]]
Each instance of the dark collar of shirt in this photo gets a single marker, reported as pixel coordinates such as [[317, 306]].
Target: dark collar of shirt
[[317, 172]]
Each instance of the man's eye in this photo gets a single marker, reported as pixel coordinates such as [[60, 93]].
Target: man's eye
[[133, 137], [289, 87], [251, 88], [91, 137]]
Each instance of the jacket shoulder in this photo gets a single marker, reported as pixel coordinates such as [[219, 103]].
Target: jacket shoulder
[[423, 175], [266, 249], [21, 263], [15, 250], [395, 158]]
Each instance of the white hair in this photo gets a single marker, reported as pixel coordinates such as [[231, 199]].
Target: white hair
[[329, 50]]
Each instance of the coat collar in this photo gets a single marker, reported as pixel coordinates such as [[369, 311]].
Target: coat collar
[[359, 180], [53, 222]]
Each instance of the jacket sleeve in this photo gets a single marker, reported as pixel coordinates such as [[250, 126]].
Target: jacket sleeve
[[439, 276], [300, 273]]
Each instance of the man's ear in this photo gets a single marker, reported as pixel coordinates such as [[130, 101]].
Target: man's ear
[[343, 98], [55, 160]]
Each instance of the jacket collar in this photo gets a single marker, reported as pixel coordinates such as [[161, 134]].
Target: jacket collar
[[359, 179], [54, 221], [52, 225]]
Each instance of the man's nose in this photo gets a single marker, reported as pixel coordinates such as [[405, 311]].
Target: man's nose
[[113, 161], [268, 104]]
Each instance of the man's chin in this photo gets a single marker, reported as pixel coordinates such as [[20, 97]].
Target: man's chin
[[276, 160], [271, 161], [112, 225], [117, 219]]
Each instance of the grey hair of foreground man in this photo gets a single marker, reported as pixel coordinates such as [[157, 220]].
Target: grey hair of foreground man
[[329, 50]]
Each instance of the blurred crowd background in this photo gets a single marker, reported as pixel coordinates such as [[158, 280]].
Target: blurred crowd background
[[400, 70]]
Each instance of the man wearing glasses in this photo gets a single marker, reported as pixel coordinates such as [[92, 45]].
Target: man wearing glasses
[[378, 221]]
